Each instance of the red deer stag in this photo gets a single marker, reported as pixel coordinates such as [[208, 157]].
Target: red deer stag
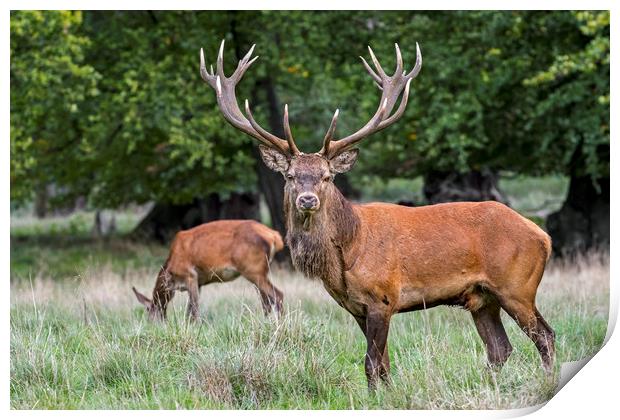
[[216, 252], [380, 259]]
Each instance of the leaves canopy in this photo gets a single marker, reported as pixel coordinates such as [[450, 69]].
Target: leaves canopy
[[110, 105]]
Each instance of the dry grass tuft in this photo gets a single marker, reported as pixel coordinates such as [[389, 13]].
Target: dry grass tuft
[[213, 382]]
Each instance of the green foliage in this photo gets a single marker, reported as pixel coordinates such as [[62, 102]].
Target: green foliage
[[52, 91], [513, 91], [574, 113], [159, 135], [532, 196], [110, 105], [374, 188]]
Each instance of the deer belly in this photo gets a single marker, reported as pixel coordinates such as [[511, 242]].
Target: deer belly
[[219, 275], [465, 292]]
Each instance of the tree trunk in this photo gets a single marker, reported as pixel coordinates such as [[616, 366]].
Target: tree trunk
[[105, 224], [164, 220], [270, 183], [582, 224], [40, 202], [271, 186], [241, 206], [342, 183], [443, 187]]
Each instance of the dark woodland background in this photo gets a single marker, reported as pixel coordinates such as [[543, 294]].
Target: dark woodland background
[[108, 110]]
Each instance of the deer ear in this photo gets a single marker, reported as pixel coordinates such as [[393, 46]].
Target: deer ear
[[344, 161], [275, 160], [142, 299]]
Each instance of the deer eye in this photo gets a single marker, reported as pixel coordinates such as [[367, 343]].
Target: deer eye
[[289, 177], [327, 178]]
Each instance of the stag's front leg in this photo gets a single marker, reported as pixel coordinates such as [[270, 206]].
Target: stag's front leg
[[384, 369], [384, 372], [377, 360]]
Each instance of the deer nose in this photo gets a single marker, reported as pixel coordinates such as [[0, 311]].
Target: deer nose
[[308, 201]]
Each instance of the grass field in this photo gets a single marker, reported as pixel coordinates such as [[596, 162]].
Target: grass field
[[82, 341], [79, 339]]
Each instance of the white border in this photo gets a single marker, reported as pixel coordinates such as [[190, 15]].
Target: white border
[[591, 394], [317, 5]]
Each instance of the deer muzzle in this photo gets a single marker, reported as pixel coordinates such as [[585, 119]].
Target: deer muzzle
[[307, 202]]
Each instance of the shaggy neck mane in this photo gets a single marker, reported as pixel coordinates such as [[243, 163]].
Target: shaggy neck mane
[[317, 241]]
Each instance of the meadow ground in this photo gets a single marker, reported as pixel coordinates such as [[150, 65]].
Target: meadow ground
[[79, 338], [84, 342]]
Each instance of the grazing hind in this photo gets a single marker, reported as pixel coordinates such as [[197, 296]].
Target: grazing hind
[[214, 252]]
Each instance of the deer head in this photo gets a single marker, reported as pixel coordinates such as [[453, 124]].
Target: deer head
[[155, 312], [309, 177]]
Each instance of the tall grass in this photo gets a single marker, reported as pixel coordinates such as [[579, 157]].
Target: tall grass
[[84, 342]]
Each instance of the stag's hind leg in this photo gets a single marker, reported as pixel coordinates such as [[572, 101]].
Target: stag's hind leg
[[534, 325], [489, 325], [518, 296]]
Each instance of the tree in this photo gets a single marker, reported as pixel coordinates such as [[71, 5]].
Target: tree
[[151, 131], [52, 88], [576, 112], [162, 119], [126, 117], [125, 127]]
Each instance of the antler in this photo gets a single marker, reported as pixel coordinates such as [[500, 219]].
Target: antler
[[391, 87], [227, 102]]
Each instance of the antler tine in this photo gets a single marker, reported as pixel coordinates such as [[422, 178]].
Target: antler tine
[[282, 145], [227, 100], [243, 69], [400, 111], [218, 86], [220, 60], [248, 55], [376, 63], [203, 69], [287, 133], [392, 87], [244, 64], [371, 71], [418, 63], [399, 60], [330, 134]]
